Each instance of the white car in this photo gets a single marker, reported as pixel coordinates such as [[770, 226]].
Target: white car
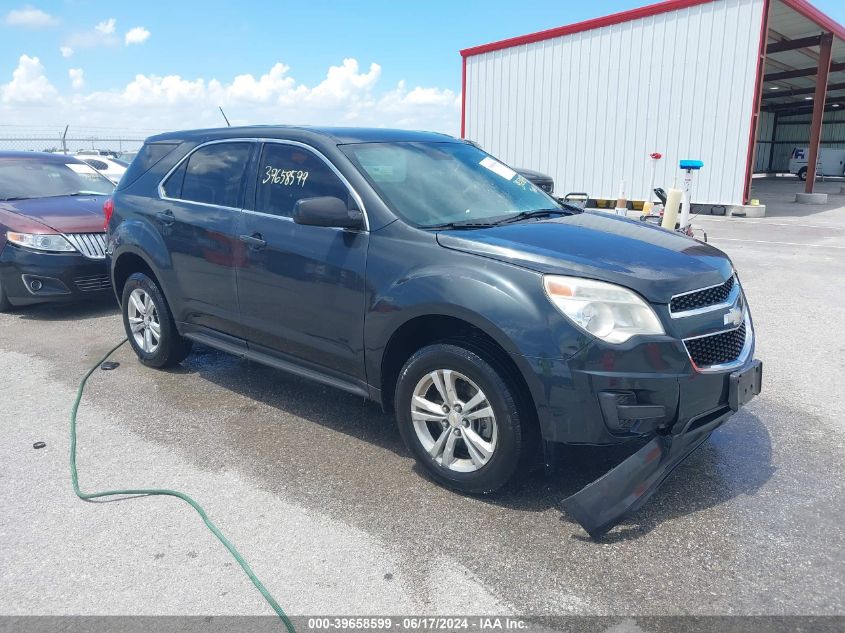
[[831, 162], [111, 168]]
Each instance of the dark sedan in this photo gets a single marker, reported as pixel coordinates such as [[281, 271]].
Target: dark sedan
[[52, 240]]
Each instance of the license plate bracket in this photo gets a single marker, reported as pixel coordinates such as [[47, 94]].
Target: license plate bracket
[[745, 384]]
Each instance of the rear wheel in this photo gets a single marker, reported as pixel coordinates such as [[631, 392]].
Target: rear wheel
[[149, 324], [802, 173], [460, 416]]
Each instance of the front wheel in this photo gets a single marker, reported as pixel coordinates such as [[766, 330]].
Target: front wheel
[[461, 417], [802, 174], [149, 324]]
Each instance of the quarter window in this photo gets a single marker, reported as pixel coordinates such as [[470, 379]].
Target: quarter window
[[213, 175], [288, 173]]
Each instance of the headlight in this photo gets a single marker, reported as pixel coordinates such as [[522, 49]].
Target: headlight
[[41, 242], [607, 311]]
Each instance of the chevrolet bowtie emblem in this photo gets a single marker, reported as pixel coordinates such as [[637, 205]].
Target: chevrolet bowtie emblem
[[734, 316]]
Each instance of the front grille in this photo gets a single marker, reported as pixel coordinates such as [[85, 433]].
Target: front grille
[[717, 349], [702, 298], [91, 245], [93, 284]]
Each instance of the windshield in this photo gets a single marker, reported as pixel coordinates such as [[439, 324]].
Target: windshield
[[432, 184], [31, 178]]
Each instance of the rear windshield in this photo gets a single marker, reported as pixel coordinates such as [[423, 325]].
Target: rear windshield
[[23, 178], [149, 155]]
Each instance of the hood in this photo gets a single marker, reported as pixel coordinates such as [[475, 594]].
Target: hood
[[647, 259], [65, 214]]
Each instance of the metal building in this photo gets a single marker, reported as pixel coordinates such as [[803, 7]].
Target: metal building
[[714, 80]]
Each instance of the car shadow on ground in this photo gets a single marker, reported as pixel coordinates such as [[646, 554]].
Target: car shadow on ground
[[98, 307], [735, 461]]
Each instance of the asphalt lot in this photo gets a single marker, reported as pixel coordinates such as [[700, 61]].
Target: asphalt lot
[[316, 490]]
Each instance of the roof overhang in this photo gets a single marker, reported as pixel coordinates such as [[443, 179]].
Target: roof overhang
[[795, 31]]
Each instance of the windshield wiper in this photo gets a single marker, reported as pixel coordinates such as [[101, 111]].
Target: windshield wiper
[[13, 198], [461, 224], [540, 213]]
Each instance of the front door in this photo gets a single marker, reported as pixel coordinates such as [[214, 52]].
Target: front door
[[301, 289], [199, 221]]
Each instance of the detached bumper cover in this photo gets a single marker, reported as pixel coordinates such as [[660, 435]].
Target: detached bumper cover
[[603, 503]]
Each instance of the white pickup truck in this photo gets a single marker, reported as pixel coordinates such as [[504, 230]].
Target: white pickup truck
[[831, 162]]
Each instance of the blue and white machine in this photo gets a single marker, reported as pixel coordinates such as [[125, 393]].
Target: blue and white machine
[[690, 167]]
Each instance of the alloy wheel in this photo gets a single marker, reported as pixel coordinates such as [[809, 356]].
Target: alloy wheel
[[144, 320], [454, 421]]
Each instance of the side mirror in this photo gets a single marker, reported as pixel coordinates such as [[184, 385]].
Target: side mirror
[[327, 211]]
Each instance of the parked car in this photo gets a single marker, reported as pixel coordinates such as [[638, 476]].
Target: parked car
[[418, 271], [52, 239], [543, 181], [111, 168], [831, 162], [127, 157]]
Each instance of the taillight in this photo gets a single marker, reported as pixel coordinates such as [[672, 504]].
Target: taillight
[[108, 210]]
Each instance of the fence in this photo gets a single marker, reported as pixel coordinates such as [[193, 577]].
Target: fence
[[71, 139]]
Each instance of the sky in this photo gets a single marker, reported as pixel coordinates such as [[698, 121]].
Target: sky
[[154, 65]]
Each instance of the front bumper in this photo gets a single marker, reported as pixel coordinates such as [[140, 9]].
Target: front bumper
[[30, 277]]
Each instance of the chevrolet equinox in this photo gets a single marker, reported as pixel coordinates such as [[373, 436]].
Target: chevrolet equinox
[[418, 271]]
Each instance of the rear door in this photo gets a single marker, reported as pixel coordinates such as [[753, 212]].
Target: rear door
[[200, 226], [301, 288]]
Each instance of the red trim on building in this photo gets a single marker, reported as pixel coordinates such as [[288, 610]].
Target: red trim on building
[[814, 15], [587, 25], [464, 98], [757, 103]]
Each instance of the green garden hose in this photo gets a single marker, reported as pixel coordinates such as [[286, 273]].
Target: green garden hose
[[169, 493]]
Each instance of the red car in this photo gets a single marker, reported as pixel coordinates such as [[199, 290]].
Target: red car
[[52, 240]]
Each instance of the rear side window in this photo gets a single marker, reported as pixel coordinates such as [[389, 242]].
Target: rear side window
[[150, 155], [288, 173], [214, 174]]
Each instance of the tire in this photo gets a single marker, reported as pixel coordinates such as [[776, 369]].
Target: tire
[[142, 299], [5, 306], [510, 432], [802, 174]]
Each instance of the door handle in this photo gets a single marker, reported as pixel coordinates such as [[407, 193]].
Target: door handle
[[166, 217], [254, 241]]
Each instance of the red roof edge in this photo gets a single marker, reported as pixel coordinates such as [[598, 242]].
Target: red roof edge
[[589, 25], [814, 15]]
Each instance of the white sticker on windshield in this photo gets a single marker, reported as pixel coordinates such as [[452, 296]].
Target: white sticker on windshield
[[498, 168], [81, 168]]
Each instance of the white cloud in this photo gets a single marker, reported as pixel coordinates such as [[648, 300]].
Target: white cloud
[[106, 27], [103, 34], [66, 51], [29, 83], [30, 17], [347, 95], [136, 35], [77, 77]]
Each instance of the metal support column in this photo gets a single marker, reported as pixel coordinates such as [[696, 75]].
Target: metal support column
[[818, 109]]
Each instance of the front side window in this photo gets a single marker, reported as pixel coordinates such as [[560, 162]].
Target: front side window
[[213, 175], [430, 184], [22, 178], [288, 173]]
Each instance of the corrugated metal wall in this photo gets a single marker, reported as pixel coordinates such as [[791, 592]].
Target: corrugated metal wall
[[765, 142], [794, 131], [588, 108]]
